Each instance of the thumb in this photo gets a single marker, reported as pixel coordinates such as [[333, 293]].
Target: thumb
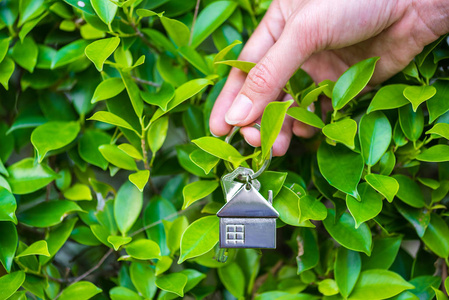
[[267, 78]]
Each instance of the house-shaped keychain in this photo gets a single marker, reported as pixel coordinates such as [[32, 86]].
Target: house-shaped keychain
[[248, 220]]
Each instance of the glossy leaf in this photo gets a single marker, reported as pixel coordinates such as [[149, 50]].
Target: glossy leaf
[[8, 206], [81, 290], [222, 54], [305, 116], [271, 124], [344, 232], [161, 98], [127, 206], [88, 147], [204, 160], [199, 238], [100, 50], [385, 185], [308, 252], [69, 54], [131, 151], [118, 241], [157, 134], [287, 205], [409, 191], [368, 207], [436, 236], [57, 238], [25, 54], [123, 293], [26, 177], [245, 66], [143, 249], [177, 31], [375, 136], [197, 190], [48, 214], [379, 284], [118, 157], [388, 97], [439, 103], [110, 118], [441, 129], [210, 18], [418, 94], [37, 248], [106, 10], [7, 67], [10, 283], [174, 283], [233, 279], [412, 123], [343, 131], [437, 153], [140, 179], [347, 269], [219, 148], [383, 255], [143, 278], [341, 167], [8, 244], [352, 82]]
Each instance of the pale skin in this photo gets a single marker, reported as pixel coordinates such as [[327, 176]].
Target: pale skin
[[324, 37]]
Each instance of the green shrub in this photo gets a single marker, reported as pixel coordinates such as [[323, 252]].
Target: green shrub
[[103, 194]]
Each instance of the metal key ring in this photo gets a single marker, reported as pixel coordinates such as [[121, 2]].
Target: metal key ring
[[266, 163]]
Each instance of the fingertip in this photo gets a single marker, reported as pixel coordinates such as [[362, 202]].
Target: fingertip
[[303, 130], [251, 136]]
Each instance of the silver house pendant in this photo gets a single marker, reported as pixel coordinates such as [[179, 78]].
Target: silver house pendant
[[247, 220]]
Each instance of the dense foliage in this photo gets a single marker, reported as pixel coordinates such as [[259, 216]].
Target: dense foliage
[[109, 178]]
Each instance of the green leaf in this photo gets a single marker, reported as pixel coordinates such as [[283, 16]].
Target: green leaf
[[341, 167], [10, 283], [157, 133], [383, 255], [163, 264], [177, 31], [100, 50], [84, 236], [161, 98], [107, 89], [8, 206], [343, 131], [118, 241], [118, 157], [346, 270], [105, 10], [122, 293], [4, 46], [244, 66], [48, 213], [143, 278], [133, 92], [441, 129], [409, 191], [287, 205], [233, 279], [26, 177], [130, 150], [57, 237], [418, 94], [81, 290], [140, 179], [352, 82], [344, 232], [204, 160], [368, 207], [375, 136], [175, 233], [412, 123], [147, 13], [328, 287], [195, 59], [311, 208], [37, 248], [88, 147], [8, 245], [271, 124], [127, 206], [6, 70], [388, 97], [222, 54], [53, 135], [385, 185], [69, 54], [439, 103], [437, 153], [210, 18], [83, 5], [197, 190], [305, 116], [200, 237], [220, 149], [379, 284], [440, 295], [110, 118], [308, 251], [312, 96], [436, 236], [25, 54], [144, 249], [173, 283], [417, 217]]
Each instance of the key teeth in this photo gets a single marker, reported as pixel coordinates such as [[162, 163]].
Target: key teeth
[[270, 197]]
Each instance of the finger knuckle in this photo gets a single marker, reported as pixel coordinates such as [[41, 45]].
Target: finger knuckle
[[261, 78]]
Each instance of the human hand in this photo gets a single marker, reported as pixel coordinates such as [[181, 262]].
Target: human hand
[[324, 38]]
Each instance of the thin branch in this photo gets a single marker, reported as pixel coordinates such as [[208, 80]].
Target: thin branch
[[167, 217], [94, 268], [194, 21], [151, 83]]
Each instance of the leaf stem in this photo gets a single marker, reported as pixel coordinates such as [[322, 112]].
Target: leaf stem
[[150, 83], [195, 15]]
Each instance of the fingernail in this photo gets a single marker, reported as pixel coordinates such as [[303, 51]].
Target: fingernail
[[214, 135], [249, 143], [239, 110]]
